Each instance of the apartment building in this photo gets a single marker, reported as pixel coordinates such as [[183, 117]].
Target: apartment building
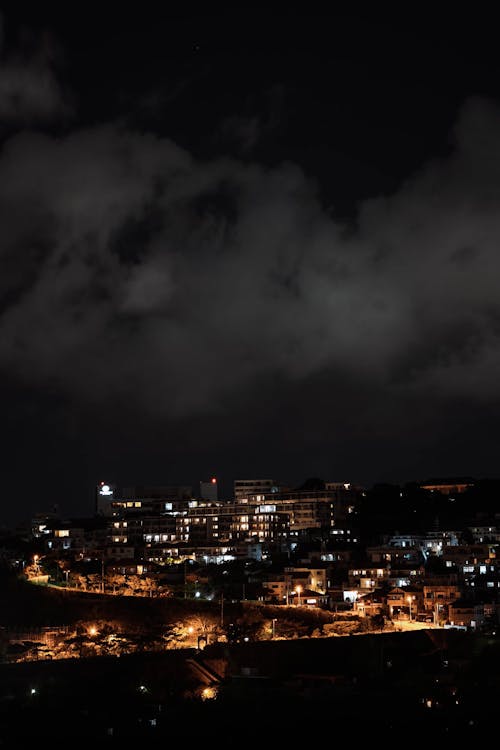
[[154, 518], [245, 488]]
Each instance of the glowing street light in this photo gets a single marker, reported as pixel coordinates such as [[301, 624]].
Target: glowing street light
[[209, 693], [298, 590], [409, 599]]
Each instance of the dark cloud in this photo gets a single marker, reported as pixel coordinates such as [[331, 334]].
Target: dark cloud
[[135, 271], [30, 91]]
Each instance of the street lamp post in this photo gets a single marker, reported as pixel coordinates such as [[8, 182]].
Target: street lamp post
[[274, 626], [298, 589], [409, 602], [436, 614]]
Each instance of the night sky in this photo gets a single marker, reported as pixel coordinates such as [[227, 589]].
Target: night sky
[[247, 245]]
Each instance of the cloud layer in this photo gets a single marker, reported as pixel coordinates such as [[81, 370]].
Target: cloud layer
[[133, 273]]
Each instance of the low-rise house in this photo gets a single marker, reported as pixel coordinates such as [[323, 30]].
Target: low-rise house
[[485, 533], [391, 554], [407, 601], [470, 554], [366, 578], [468, 613], [439, 593], [370, 603]]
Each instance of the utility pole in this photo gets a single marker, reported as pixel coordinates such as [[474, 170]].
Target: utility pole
[[102, 573], [222, 609]]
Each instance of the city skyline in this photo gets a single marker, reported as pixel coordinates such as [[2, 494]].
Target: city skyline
[[246, 247]]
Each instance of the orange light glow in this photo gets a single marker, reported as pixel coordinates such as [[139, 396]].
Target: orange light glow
[[209, 693]]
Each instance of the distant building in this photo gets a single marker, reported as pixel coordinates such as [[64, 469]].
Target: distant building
[[448, 486], [41, 524], [146, 499], [209, 490], [154, 492], [487, 533], [104, 495], [157, 521], [78, 536], [465, 613], [248, 487]]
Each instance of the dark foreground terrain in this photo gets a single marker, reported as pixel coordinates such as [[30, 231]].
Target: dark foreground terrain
[[419, 686]]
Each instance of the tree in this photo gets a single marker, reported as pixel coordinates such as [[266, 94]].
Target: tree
[[116, 582], [82, 582]]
